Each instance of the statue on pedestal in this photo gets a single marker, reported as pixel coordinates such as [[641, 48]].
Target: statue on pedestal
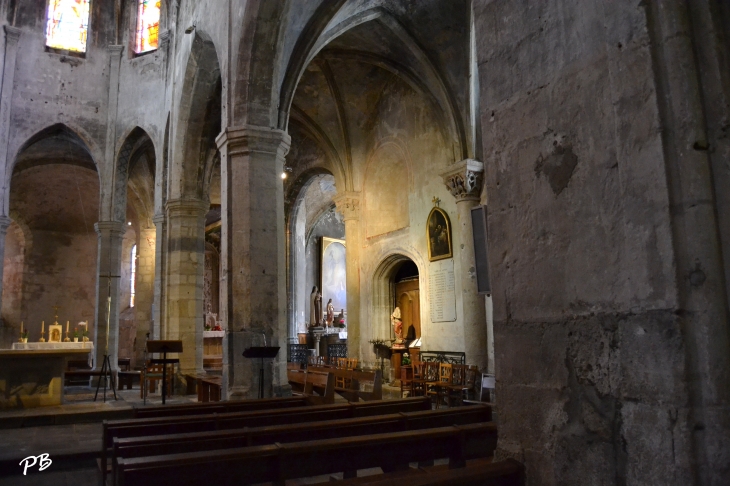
[[315, 307], [330, 313], [397, 325]]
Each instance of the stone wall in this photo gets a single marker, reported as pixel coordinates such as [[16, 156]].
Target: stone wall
[[594, 350]]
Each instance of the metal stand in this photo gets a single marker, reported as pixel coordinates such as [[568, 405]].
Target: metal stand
[[106, 374], [106, 367], [261, 352]]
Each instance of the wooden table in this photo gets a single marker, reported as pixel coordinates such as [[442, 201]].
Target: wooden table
[[34, 378]]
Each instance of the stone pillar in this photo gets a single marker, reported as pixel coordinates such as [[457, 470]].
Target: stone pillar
[[6, 335], [253, 263], [160, 254], [109, 267], [464, 181], [348, 204], [185, 273], [12, 35], [144, 289]]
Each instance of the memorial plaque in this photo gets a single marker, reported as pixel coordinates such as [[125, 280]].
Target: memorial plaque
[[442, 291]]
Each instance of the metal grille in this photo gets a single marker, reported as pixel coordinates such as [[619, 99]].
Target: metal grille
[[298, 353], [453, 357], [337, 350]]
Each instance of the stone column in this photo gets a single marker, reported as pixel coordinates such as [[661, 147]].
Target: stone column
[[348, 204], [144, 289], [464, 181], [109, 267], [5, 334], [185, 273], [158, 304], [253, 263], [12, 35]]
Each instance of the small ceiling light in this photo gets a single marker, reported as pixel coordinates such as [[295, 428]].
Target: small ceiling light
[[129, 223], [190, 29], [286, 169]]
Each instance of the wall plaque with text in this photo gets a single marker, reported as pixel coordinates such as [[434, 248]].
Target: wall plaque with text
[[442, 291]]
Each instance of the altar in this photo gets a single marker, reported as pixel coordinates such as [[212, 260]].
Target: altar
[[48, 346], [34, 377]]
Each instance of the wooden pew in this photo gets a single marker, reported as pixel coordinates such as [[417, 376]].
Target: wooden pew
[[328, 429], [354, 377], [220, 407], [226, 421], [279, 462], [306, 383], [480, 473]]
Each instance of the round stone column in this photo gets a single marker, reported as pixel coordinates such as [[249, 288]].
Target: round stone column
[[464, 182]]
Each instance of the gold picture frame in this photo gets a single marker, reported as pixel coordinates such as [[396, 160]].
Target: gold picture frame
[[333, 274], [438, 235], [55, 333]]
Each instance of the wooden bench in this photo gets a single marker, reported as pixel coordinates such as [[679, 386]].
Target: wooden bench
[[226, 421], [305, 384], [327, 429], [279, 462], [478, 472], [353, 378], [220, 407]]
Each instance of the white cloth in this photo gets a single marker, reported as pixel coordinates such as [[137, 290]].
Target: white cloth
[[210, 334], [45, 346]]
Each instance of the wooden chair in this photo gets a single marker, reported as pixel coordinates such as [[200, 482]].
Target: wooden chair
[[424, 372], [152, 375], [462, 382], [439, 387]]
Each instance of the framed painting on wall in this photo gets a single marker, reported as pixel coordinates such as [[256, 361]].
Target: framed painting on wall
[[438, 233], [334, 274]]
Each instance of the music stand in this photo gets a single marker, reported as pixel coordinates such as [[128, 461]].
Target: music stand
[[164, 347], [262, 352]]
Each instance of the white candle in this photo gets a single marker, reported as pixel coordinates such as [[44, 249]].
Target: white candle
[[66, 327], [21, 327], [43, 326]]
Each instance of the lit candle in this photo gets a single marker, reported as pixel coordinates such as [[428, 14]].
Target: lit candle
[[43, 326]]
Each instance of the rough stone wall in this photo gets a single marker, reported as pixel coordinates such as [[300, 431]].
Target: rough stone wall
[[590, 341]]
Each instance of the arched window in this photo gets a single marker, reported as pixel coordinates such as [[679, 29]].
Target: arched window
[[148, 26], [132, 278], [68, 23]]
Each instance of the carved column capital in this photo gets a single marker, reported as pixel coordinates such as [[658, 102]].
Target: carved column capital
[[464, 180], [348, 204], [187, 207], [12, 34], [158, 219], [115, 49], [244, 140]]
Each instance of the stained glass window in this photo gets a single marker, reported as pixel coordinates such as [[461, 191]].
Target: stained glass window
[[133, 277], [148, 26], [68, 23]]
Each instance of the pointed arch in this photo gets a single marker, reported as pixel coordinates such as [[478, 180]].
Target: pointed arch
[[198, 120], [136, 143]]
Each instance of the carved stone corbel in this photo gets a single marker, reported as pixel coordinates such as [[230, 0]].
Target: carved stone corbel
[[348, 204], [464, 180]]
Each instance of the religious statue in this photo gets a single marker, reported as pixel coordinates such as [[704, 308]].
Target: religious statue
[[315, 307], [330, 313], [397, 325]]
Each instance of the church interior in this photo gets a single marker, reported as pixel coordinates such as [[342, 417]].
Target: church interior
[[365, 241]]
